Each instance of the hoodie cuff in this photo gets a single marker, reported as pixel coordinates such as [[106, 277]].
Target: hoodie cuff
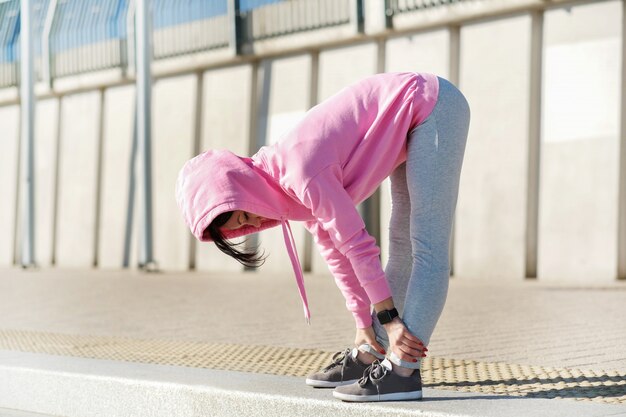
[[363, 318], [378, 290]]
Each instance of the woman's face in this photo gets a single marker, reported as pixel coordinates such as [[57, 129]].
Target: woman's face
[[241, 218]]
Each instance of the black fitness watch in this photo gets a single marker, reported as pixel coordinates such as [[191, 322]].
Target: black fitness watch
[[386, 316]]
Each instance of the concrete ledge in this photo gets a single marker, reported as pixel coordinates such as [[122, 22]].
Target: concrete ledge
[[72, 387], [5, 412]]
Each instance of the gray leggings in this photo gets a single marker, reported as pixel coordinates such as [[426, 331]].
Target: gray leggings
[[424, 193]]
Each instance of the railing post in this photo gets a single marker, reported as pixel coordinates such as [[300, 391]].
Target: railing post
[[46, 56], [356, 16], [197, 146], [389, 11], [27, 107], [132, 186], [621, 204], [144, 132], [235, 40], [534, 145], [314, 72], [130, 38]]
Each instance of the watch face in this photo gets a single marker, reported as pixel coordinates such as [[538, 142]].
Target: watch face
[[384, 317]]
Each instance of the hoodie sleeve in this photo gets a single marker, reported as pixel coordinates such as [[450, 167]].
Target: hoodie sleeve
[[357, 301], [334, 210]]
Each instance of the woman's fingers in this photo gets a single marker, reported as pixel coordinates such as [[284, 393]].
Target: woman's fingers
[[377, 346], [401, 352], [412, 343], [413, 353], [368, 336], [412, 338]]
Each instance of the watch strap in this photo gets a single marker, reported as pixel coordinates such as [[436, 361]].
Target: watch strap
[[386, 316]]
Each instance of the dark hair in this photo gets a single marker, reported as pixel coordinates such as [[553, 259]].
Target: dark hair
[[251, 259]]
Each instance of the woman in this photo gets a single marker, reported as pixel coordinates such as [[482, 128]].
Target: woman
[[409, 126]]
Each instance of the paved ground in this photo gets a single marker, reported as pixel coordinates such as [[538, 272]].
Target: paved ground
[[75, 386], [521, 323]]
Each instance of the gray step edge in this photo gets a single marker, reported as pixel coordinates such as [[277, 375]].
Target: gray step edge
[[82, 387], [5, 412]]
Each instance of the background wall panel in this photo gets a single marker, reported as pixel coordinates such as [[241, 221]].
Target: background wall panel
[[491, 212], [76, 218], [580, 143], [119, 114], [46, 130], [9, 153], [173, 138]]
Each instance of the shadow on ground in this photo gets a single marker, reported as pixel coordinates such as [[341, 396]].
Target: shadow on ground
[[579, 388]]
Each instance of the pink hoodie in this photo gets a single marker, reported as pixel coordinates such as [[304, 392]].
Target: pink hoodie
[[331, 161]]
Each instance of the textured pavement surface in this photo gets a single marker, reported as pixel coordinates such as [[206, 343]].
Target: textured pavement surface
[[490, 321], [74, 386]]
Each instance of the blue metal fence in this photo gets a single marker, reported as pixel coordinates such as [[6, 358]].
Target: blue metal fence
[[88, 35], [93, 35], [188, 26], [10, 35], [264, 19], [9, 26], [401, 6]]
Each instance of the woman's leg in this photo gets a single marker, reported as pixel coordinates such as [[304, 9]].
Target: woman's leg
[[435, 152], [424, 192], [434, 158], [398, 268]]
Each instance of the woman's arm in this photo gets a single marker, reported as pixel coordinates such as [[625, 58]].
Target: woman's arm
[[357, 301], [336, 215], [403, 343]]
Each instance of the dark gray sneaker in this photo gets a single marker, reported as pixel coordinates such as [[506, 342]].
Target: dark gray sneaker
[[345, 369], [380, 383]]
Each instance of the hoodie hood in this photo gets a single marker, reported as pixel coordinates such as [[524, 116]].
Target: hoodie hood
[[219, 181]]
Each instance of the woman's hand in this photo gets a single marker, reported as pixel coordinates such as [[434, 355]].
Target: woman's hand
[[403, 343], [368, 336]]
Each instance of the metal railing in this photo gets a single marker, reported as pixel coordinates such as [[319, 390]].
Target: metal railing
[[88, 35], [189, 26], [401, 6], [398, 7], [80, 36], [263, 20], [10, 35], [9, 28]]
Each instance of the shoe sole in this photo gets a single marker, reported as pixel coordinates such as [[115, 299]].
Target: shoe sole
[[327, 384], [395, 396]]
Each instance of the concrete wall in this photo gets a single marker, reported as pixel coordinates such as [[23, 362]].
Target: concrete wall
[[9, 148], [78, 159], [420, 52], [288, 100], [46, 139], [173, 145], [491, 212], [578, 155], [580, 143], [339, 67], [119, 107], [225, 125]]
